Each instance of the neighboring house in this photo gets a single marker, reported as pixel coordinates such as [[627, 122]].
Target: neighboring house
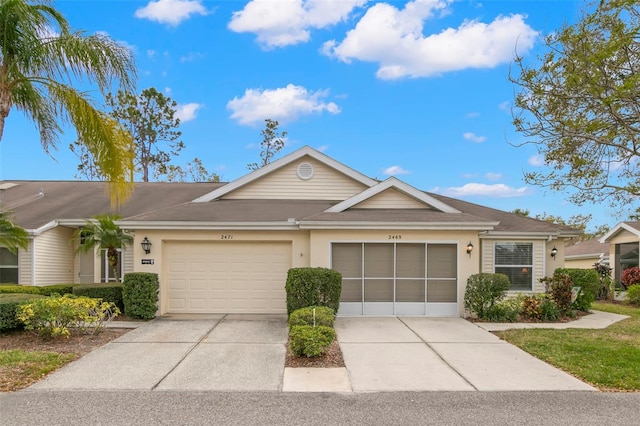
[[227, 247], [585, 254], [623, 242]]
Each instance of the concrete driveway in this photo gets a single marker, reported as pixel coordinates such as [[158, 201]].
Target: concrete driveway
[[247, 353]]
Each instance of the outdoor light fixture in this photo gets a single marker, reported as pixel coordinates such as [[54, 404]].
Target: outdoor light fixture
[[469, 248], [146, 245], [554, 251]]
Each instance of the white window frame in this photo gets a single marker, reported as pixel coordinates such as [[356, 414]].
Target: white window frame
[[105, 264], [514, 266]]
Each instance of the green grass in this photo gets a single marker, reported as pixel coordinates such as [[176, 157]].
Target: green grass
[[609, 359], [19, 369]]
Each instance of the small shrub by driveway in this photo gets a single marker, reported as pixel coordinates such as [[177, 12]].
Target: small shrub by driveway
[[608, 359]]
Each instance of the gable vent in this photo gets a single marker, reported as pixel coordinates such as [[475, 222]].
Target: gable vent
[[305, 171]]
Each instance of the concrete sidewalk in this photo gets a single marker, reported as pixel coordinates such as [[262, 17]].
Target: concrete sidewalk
[[247, 353]]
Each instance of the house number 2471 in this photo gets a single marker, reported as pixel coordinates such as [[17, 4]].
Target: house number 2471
[[226, 237]]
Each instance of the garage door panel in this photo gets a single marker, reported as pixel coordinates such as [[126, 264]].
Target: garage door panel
[[228, 277]]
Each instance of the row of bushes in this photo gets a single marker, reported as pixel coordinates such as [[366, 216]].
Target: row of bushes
[[568, 291], [313, 298], [137, 296]]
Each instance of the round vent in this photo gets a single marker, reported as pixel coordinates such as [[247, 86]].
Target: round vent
[[305, 171]]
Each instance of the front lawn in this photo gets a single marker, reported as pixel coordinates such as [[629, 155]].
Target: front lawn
[[609, 359], [19, 368]]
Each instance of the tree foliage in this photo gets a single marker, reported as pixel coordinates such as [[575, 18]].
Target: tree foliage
[[12, 236], [40, 56], [579, 222], [151, 119], [272, 143], [104, 233], [580, 106]]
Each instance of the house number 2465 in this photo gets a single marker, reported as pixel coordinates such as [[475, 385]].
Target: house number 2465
[[395, 237]]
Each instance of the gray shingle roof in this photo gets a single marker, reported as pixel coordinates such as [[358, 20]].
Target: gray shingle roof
[[172, 202]]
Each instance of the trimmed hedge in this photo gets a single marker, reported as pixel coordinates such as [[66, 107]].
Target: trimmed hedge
[[305, 316], [309, 341], [46, 290], [313, 287], [140, 294], [108, 292], [9, 306]]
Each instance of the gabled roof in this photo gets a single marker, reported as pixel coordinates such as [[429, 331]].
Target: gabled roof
[[592, 248], [633, 227], [287, 159], [397, 184]]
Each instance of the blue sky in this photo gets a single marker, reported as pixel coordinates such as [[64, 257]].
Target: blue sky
[[414, 89]]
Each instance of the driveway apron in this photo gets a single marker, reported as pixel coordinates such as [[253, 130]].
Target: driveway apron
[[217, 353], [421, 354]]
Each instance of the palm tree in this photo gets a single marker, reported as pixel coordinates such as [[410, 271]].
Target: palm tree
[[11, 235], [40, 56], [103, 233]]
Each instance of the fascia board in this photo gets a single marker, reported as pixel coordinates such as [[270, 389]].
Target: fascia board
[[523, 235], [401, 186], [281, 162], [619, 227], [482, 226], [184, 225]]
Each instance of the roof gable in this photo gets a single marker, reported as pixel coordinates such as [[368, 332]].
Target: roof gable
[[409, 191], [632, 227], [306, 153]]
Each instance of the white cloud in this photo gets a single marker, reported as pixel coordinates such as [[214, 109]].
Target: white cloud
[[282, 104], [170, 12], [472, 137], [322, 148], [187, 112], [493, 176], [473, 115], [504, 106], [497, 190], [395, 170], [286, 22], [151, 54], [394, 39], [191, 56], [167, 90], [536, 160]]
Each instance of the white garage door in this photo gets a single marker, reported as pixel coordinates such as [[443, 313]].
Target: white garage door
[[227, 277]]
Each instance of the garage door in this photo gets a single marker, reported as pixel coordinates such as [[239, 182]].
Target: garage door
[[227, 277]]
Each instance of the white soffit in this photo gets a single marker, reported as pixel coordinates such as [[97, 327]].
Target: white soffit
[[401, 186], [287, 159]]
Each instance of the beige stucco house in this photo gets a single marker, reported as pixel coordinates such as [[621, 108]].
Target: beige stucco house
[[585, 254], [623, 242], [227, 247]]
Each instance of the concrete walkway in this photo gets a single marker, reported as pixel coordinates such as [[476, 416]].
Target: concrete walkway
[[247, 353]]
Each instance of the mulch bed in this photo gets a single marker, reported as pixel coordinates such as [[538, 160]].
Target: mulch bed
[[79, 344], [331, 359]]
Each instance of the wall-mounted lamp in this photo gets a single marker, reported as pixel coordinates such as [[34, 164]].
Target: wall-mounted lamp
[[554, 252], [146, 245], [469, 248]]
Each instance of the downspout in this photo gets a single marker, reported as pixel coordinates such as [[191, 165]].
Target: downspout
[[33, 260]]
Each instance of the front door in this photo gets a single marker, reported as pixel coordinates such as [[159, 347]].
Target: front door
[[85, 273]]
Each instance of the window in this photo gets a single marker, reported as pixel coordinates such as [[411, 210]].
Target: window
[[515, 260], [108, 272], [626, 257], [8, 266]]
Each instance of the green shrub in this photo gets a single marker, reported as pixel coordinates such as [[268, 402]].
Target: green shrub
[[583, 302], [61, 289], [607, 285], [46, 290], [111, 292], [483, 291], [587, 279], [549, 310], [633, 295], [9, 306], [140, 294], [313, 316], [22, 289], [313, 287], [309, 341], [504, 311], [54, 316]]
